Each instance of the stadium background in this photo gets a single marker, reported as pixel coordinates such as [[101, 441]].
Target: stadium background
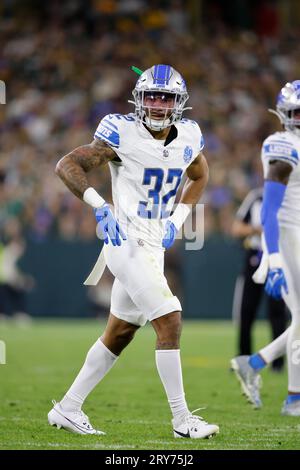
[[66, 65]]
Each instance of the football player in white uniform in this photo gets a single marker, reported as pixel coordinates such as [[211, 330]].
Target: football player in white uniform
[[148, 152], [281, 224]]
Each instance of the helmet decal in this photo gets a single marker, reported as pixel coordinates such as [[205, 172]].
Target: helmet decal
[[161, 75]]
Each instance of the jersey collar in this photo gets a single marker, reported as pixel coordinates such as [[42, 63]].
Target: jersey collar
[[142, 129]]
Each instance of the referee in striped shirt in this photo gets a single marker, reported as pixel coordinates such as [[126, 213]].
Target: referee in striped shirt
[[247, 294]]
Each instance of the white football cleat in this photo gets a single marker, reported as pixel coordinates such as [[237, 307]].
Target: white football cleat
[[194, 427], [74, 421]]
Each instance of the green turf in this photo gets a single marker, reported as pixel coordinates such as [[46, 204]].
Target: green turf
[[130, 405]]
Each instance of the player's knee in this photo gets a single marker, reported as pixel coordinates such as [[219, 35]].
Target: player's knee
[[118, 341], [117, 338], [122, 333], [125, 334], [168, 330]]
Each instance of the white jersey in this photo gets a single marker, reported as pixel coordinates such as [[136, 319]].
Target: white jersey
[[285, 146], [147, 177]]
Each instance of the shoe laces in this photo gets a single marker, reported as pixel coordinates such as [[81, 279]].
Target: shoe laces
[[196, 418], [254, 379], [258, 381], [254, 384], [85, 419]]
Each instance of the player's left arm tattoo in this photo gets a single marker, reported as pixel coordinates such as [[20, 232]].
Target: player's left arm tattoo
[[197, 178]]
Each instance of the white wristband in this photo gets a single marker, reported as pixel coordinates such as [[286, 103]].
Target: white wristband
[[180, 214], [275, 261], [91, 197]]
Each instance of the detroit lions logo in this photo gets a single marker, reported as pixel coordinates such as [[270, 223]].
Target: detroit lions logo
[[187, 154]]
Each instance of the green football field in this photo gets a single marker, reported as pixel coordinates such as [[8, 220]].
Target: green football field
[[130, 405]]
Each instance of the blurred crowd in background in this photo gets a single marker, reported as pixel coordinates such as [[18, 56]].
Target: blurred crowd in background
[[67, 64]]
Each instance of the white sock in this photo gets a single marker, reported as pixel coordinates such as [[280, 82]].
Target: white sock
[[275, 349], [293, 355], [168, 364], [98, 362]]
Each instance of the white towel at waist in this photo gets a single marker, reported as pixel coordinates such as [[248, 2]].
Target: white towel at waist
[[260, 275]]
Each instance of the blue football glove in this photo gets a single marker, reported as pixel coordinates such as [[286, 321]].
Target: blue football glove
[[275, 282], [170, 235], [108, 226]]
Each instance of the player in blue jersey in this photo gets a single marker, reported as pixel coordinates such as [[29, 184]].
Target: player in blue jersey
[[280, 265], [148, 152]]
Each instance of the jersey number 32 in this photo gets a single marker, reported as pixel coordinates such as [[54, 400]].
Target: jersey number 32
[[155, 178]]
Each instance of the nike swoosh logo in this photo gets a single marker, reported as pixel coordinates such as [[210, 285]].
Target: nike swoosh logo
[[80, 428], [182, 434]]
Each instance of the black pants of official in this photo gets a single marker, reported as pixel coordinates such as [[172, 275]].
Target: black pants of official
[[12, 300], [251, 297]]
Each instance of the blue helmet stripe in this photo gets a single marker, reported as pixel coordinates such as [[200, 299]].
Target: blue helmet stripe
[[161, 75], [168, 74]]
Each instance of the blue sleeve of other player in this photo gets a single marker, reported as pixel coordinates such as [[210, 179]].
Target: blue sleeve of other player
[[272, 200]]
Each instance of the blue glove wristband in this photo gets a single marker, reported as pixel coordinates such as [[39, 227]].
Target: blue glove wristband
[[170, 235]]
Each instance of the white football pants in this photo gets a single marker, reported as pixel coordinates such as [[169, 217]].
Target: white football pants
[[290, 340], [140, 291]]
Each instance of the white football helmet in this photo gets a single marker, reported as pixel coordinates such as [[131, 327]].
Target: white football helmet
[[165, 80], [288, 102]]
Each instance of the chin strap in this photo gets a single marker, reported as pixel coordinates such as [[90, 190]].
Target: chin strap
[[149, 122]]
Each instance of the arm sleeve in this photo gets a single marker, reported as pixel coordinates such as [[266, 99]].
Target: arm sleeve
[[272, 200], [108, 131]]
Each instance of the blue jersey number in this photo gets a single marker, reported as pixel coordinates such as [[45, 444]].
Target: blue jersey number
[[157, 176]]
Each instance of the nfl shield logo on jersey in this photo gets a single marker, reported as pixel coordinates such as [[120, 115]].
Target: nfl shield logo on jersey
[[188, 153], [166, 153]]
